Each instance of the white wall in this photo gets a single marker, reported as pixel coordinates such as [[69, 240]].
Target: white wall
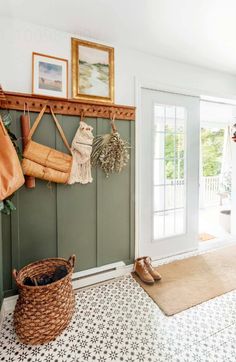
[[18, 40]]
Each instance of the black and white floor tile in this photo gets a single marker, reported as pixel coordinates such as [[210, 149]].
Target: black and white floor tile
[[117, 321]]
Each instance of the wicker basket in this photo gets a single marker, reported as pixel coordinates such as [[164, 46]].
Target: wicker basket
[[43, 312]]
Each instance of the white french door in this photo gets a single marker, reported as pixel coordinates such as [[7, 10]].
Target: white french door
[[168, 173]]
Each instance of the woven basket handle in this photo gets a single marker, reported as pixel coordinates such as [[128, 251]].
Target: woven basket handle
[[71, 260], [14, 273]]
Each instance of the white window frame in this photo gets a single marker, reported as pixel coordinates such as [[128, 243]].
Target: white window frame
[[156, 240]]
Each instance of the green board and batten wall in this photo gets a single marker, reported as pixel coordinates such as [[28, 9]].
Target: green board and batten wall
[[93, 221]]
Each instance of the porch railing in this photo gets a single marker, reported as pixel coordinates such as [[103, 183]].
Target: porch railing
[[209, 192]]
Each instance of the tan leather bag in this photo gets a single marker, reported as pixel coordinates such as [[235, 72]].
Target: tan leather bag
[[11, 175], [44, 162]]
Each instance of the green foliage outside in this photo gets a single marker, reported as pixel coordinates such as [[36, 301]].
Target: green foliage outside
[[212, 148], [174, 143]]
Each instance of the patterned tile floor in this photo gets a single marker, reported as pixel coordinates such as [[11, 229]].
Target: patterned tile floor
[[117, 321]]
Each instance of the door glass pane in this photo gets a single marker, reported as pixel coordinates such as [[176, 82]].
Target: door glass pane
[[180, 119], [159, 123], [180, 221], [180, 113], [179, 147], [159, 172], [179, 194], [169, 171], [169, 191], [170, 197], [169, 223], [158, 225], [169, 145], [159, 198], [180, 125], [179, 169], [170, 119], [159, 145]]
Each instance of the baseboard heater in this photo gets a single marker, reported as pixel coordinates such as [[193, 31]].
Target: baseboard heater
[[99, 274]]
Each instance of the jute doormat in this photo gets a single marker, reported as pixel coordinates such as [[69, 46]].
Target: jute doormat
[[186, 283], [206, 237]]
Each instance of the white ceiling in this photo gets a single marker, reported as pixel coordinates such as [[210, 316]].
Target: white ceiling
[[200, 32]]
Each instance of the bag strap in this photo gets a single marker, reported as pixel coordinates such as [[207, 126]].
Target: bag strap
[[37, 121], [60, 131], [3, 127]]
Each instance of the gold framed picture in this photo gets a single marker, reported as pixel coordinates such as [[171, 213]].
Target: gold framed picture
[[49, 76], [92, 71]]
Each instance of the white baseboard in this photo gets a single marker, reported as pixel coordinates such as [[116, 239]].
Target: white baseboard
[[8, 306], [79, 280], [2, 316]]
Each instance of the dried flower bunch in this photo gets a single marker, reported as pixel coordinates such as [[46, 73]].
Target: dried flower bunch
[[110, 152]]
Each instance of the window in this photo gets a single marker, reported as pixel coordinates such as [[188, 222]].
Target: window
[[169, 174]]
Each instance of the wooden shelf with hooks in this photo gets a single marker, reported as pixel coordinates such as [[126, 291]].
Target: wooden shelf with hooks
[[70, 107]]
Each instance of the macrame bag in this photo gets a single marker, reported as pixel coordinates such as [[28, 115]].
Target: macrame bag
[[81, 149], [44, 162], [11, 175]]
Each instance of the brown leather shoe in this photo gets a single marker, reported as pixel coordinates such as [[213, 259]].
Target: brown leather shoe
[[151, 270], [141, 270]]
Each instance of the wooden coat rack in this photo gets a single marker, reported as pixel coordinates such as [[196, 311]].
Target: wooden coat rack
[[70, 107]]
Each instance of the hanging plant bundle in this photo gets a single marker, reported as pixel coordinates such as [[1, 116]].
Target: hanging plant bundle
[[110, 152]]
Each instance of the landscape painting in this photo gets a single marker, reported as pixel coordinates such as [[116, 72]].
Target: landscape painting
[[50, 76], [92, 71]]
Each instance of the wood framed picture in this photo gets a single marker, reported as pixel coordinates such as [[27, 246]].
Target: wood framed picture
[[92, 71], [49, 76]]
